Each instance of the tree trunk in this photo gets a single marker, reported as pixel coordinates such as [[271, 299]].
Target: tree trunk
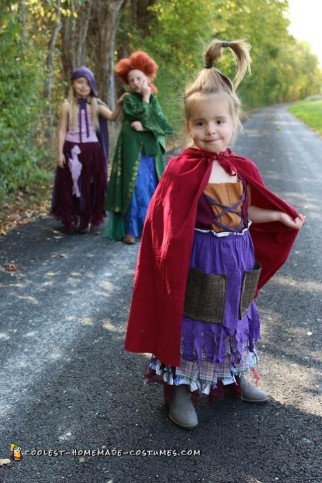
[[89, 39], [50, 71], [101, 44], [74, 35]]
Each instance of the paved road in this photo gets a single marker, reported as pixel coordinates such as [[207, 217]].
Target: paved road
[[68, 388]]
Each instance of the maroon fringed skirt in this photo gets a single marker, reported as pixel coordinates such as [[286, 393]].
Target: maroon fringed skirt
[[79, 191]]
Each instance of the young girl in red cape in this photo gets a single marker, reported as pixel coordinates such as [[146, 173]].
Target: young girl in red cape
[[213, 236]]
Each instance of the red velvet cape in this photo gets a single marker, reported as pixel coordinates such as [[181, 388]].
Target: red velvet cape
[[156, 311]]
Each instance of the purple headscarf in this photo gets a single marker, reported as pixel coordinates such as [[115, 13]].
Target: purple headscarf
[[88, 74], [103, 130]]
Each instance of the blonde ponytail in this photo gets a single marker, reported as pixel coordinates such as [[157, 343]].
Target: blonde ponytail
[[211, 80]]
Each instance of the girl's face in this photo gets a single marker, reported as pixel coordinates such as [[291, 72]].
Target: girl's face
[[211, 125], [81, 87], [137, 80]]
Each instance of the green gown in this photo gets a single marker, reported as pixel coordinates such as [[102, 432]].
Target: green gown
[[129, 147]]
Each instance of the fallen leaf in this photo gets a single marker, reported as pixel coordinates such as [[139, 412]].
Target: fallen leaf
[[11, 267], [23, 208]]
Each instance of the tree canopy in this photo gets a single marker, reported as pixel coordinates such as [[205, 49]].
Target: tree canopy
[[42, 41]]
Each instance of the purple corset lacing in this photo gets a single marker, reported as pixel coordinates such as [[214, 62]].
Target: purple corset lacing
[[82, 106], [228, 209]]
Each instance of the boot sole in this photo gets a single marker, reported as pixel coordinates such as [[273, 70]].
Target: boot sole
[[183, 426], [255, 401]]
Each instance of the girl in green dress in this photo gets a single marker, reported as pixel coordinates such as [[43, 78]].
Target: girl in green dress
[[138, 161]]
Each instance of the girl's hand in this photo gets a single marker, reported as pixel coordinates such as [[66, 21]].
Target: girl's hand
[[61, 161], [137, 126], [146, 92], [296, 223], [121, 98], [261, 215]]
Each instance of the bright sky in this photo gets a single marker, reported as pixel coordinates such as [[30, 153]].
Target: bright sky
[[306, 23]]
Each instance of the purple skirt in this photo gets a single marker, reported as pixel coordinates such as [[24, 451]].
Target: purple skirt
[[80, 202], [232, 256], [212, 352]]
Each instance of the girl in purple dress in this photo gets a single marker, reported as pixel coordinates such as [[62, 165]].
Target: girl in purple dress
[[81, 175]]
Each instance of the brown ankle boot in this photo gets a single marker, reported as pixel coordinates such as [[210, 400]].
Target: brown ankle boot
[[181, 409], [251, 393]]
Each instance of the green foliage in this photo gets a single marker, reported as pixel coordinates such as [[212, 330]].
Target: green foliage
[[21, 107], [309, 111], [283, 68], [177, 36], [173, 32]]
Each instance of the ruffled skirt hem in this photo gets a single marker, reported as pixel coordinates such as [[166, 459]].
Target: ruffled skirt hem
[[206, 378]]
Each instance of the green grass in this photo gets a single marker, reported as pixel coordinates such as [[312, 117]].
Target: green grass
[[309, 112]]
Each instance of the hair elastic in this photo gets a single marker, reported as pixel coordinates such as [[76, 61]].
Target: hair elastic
[[208, 66], [225, 44]]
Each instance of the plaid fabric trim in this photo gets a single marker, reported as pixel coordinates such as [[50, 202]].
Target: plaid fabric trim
[[204, 375]]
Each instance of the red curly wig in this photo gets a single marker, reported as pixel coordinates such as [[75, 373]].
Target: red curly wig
[[139, 60]]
